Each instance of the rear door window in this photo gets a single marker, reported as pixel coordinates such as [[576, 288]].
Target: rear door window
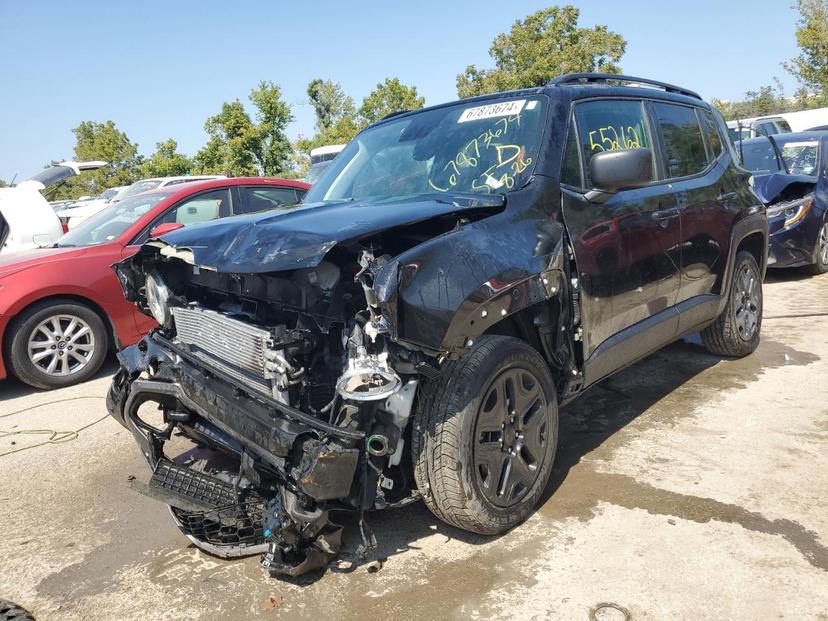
[[264, 198], [200, 208], [683, 143], [610, 125]]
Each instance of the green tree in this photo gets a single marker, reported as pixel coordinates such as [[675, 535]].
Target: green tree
[[767, 100], [166, 161], [337, 121], [544, 45], [101, 141], [811, 65], [329, 102], [239, 146], [389, 96]]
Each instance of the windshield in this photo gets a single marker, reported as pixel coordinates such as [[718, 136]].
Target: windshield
[[140, 186], [110, 223], [800, 156], [486, 148], [315, 171]]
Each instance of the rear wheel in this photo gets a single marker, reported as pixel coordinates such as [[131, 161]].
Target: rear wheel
[[484, 436], [56, 343], [821, 265], [736, 332]]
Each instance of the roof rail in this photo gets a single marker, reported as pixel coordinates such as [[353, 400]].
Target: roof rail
[[573, 78], [393, 114]]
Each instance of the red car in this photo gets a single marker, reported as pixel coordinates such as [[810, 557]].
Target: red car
[[61, 307]]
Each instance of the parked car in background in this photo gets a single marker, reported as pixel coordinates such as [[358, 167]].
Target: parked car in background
[[62, 308], [74, 213], [155, 183], [411, 330], [782, 123], [320, 160], [762, 126], [791, 179], [27, 220]]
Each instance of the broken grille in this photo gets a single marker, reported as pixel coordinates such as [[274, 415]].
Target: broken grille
[[229, 341]]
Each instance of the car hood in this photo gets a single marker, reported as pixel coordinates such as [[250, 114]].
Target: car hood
[[768, 187], [300, 236], [14, 262]]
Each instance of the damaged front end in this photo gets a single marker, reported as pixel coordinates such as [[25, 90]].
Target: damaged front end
[[287, 391]]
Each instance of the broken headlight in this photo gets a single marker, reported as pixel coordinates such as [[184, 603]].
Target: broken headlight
[[794, 211], [158, 297]]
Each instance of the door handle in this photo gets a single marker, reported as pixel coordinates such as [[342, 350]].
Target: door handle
[[666, 214], [726, 196]]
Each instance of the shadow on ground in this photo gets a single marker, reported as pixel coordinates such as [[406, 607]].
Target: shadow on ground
[[12, 388], [584, 425]]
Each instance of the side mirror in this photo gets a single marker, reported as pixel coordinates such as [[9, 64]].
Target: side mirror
[[164, 228], [622, 169]]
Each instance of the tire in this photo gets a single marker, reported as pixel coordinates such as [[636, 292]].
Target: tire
[[735, 333], [66, 332], [455, 436], [821, 265], [12, 612]]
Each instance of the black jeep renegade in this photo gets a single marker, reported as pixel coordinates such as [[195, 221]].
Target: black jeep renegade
[[411, 329]]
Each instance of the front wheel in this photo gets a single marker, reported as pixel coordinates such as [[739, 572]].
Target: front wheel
[[736, 331], [821, 264], [484, 436], [56, 343]]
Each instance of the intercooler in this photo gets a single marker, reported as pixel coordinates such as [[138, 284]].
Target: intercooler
[[232, 346]]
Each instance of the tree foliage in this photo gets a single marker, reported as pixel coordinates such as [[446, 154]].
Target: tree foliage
[[337, 121], [811, 65], [389, 96], [165, 162], [101, 141], [769, 99], [330, 103], [240, 146], [540, 47]]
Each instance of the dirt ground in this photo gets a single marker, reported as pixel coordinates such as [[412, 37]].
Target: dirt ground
[[686, 487]]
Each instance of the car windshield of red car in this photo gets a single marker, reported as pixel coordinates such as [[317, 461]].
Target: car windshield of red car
[[109, 224]]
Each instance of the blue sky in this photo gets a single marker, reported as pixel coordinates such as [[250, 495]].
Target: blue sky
[[159, 69]]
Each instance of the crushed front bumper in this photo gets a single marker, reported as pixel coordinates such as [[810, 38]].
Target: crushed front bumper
[[296, 467]]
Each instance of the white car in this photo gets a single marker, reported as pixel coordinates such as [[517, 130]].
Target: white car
[[144, 185], [72, 213], [27, 220]]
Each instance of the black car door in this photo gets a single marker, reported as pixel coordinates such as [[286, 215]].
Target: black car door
[[628, 248], [705, 187]]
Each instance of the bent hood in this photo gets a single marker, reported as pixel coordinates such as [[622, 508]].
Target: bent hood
[[768, 187], [301, 236]]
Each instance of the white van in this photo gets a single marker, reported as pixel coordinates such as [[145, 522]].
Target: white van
[[27, 220], [320, 159]]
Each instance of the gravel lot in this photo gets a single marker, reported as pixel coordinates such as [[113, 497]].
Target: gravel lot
[[686, 487]]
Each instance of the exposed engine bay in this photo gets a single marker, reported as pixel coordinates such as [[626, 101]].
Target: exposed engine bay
[[289, 385]]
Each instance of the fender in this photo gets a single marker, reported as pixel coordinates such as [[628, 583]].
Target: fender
[[756, 222], [447, 290]]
